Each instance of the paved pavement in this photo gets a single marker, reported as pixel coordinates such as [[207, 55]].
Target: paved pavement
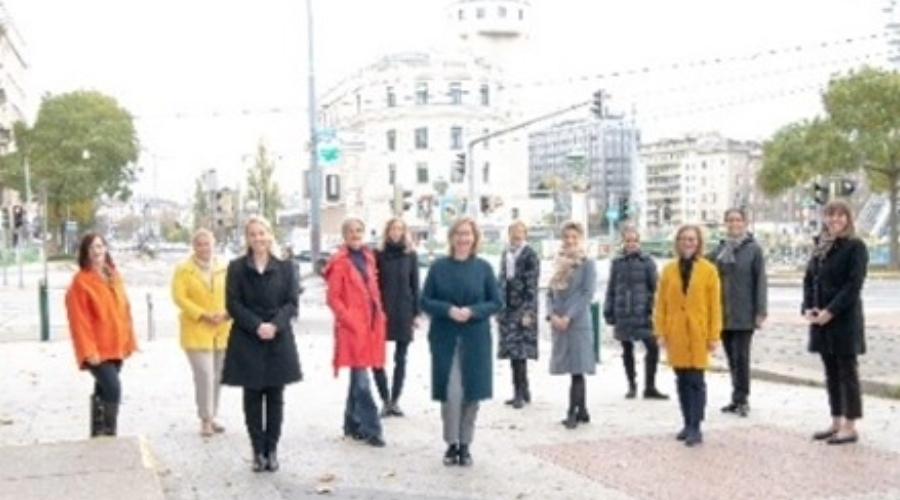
[[627, 452]]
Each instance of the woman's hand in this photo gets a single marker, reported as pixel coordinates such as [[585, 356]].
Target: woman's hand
[[266, 331], [93, 360], [823, 317], [712, 345], [661, 342], [811, 315]]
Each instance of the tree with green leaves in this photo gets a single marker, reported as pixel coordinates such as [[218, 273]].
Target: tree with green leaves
[[860, 131], [261, 187], [82, 145]]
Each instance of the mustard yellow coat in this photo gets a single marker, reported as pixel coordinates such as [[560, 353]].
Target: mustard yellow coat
[[194, 296], [688, 322]]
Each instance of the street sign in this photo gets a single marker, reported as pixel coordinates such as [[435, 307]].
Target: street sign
[[328, 148]]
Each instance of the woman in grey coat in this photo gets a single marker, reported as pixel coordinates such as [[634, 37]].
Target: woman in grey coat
[[568, 305], [742, 272], [629, 309]]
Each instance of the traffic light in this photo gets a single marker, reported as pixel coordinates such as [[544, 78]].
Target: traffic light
[[459, 167], [624, 208], [485, 204], [597, 106], [820, 193], [407, 201], [667, 210], [18, 216], [847, 187]]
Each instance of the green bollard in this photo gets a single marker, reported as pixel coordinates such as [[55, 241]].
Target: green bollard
[[44, 305], [596, 325]]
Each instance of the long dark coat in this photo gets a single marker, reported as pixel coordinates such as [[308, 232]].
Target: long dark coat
[[835, 283], [469, 283], [629, 296], [744, 285], [520, 296], [398, 279], [253, 298]]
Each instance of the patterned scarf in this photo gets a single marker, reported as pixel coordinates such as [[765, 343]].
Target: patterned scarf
[[564, 266], [512, 254], [730, 245]]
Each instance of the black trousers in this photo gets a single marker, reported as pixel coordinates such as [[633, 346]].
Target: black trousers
[[107, 385], [400, 351], [578, 394], [691, 396], [651, 360], [842, 381], [737, 349], [264, 405]]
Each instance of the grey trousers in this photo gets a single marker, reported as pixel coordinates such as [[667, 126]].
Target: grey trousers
[[458, 414], [207, 369]]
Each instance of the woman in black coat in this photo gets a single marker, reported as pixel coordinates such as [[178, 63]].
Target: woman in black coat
[[520, 269], [398, 280], [832, 304], [261, 295]]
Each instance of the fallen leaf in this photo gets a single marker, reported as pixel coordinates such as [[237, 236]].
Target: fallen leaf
[[323, 489]]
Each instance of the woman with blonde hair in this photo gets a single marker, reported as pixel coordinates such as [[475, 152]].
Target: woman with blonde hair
[[569, 297], [832, 304], [398, 281], [688, 323], [198, 289], [461, 295], [261, 295]]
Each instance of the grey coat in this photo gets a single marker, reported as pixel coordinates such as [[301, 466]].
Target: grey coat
[[629, 296], [744, 287], [573, 349]]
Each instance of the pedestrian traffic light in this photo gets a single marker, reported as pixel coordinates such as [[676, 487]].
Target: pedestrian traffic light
[[820, 193], [597, 105], [847, 187], [459, 167], [624, 208]]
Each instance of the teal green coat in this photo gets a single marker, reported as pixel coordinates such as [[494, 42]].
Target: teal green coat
[[470, 283]]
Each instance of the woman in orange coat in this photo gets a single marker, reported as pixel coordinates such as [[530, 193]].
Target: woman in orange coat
[[101, 329], [688, 322], [359, 329]]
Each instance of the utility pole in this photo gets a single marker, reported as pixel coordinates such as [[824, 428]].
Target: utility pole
[[315, 181]]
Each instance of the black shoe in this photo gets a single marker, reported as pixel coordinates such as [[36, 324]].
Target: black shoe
[[451, 456], [259, 462], [465, 458], [836, 440], [97, 419], [632, 392], [110, 418], [272, 464], [375, 441], [583, 416], [385, 410], [395, 410], [571, 420], [693, 438], [510, 402], [730, 408], [653, 393], [743, 409], [682, 434], [823, 435], [518, 402], [526, 394]]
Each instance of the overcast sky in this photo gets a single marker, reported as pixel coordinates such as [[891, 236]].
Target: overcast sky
[[187, 68]]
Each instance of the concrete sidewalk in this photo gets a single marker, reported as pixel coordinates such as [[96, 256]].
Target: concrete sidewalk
[[626, 452]]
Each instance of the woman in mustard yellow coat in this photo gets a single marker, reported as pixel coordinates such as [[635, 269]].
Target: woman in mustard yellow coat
[[199, 292], [687, 320]]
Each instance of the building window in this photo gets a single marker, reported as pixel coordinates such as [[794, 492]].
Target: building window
[[501, 11], [486, 172], [392, 174], [456, 175], [480, 13], [391, 97], [455, 93], [422, 138], [421, 93], [392, 140], [456, 140], [422, 173], [485, 92]]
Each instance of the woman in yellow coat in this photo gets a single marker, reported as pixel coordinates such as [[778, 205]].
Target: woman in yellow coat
[[199, 292], [687, 320]]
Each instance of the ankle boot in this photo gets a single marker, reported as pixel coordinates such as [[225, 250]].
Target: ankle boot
[[632, 390], [97, 420], [571, 420], [110, 418]]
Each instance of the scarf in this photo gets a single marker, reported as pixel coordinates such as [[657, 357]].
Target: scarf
[[564, 266], [512, 255], [394, 249], [824, 243], [206, 270], [729, 247]]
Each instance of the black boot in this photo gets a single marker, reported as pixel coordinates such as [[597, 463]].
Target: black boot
[[632, 390], [628, 363], [514, 370], [272, 464], [97, 420], [650, 391], [259, 462], [571, 420], [110, 418], [526, 391], [451, 456], [465, 457]]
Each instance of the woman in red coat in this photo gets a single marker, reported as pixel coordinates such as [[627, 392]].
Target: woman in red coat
[[359, 329]]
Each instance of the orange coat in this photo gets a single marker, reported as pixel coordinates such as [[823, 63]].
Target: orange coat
[[99, 318], [688, 322]]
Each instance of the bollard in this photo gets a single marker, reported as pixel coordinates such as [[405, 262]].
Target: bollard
[[44, 308], [151, 334]]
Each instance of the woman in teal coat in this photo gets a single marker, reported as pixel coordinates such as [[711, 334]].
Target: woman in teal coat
[[460, 295]]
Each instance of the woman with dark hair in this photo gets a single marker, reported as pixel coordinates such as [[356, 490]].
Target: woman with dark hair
[[520, 269], [261, 295], [742, 272], [101, 329], [461, 295], [398, 281], [832, 303], [687, 318], [569, 297]]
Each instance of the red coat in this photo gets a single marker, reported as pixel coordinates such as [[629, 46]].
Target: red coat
[[359, 320]]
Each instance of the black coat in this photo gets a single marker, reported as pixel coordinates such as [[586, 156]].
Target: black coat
[[398, 280], [251, 299], [518, 320], [835, 283], [629, 296]]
